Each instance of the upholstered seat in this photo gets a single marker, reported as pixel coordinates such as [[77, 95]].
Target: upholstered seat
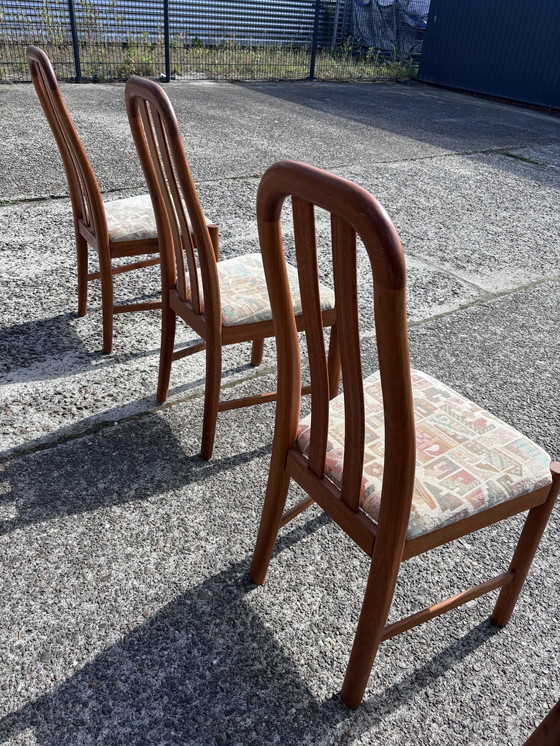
[[132, 219], [244, 294], [467, 460]]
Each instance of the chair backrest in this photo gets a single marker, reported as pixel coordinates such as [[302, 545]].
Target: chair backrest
[[160, 147], [353, 211], [87, 203]]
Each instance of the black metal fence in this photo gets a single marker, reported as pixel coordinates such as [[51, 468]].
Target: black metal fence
[[102, 40]]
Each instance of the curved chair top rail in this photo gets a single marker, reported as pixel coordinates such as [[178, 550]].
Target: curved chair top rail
[[85, 195], [160, 148], [353, 212], [343, 198]]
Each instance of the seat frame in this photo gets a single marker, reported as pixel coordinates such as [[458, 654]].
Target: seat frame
[[160, 148], [90, 223], [355, 212]]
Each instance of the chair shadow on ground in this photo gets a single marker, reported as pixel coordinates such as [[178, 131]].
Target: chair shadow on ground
[[25, 346], [139, 458], [50, 348], [205, 669]]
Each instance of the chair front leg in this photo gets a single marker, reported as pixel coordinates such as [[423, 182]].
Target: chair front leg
[[211, 395], [528, 543], [369, 633]]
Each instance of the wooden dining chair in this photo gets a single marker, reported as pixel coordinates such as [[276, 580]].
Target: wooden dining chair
[[400, 461], [223, 301], [118, 228]]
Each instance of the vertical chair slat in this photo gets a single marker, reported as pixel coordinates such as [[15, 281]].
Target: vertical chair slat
[[346, 302], [205, 249], [306, 253], [181, 233]]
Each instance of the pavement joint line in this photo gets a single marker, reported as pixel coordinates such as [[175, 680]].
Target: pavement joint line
[[479, 302], [56, 197], [455, 275], [259, 372], [503, 151], [23, 450]]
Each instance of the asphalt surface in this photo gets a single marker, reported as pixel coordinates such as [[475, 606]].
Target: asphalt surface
[[128, 616]]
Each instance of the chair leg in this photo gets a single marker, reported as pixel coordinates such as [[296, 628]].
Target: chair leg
[[211, 396], [333, 363], [527, 545], [371, 624], [82, 255], [548, 732], [168, 326], [273, 508], [257, 351], [107, 303]]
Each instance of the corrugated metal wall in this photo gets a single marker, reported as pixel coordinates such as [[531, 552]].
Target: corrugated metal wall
[[506, 48], [246, 21]]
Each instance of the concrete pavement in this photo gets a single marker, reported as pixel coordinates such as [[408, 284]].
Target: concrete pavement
[[128, 617]]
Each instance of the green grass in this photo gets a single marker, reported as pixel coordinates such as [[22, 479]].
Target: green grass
[[103, 61]]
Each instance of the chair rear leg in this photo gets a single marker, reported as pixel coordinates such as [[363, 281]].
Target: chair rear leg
[[527, 545], [273, 508], [82, 256], [257, 351], [168, 326], [107, 303], [369, 633], [211, 396]]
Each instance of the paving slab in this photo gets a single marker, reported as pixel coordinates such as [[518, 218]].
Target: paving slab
[[58, 383], [488, 220]]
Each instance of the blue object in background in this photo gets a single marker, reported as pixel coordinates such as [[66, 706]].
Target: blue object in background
[[505, 48]]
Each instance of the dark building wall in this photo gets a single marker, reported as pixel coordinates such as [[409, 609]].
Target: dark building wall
[[506, 48]]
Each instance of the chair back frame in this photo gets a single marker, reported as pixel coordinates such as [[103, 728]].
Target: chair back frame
[[85, 196], [354, 212], [160, 148]]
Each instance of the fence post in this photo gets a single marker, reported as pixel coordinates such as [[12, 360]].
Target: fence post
[[75, 45], [314, 40], [166, 40]]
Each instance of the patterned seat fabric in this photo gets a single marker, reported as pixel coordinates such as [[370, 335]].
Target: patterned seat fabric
[[132, 219], [467, 460], [244, 294]]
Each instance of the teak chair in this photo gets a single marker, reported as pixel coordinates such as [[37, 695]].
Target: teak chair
[[397, 488], [223, 301], [120, 228]]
